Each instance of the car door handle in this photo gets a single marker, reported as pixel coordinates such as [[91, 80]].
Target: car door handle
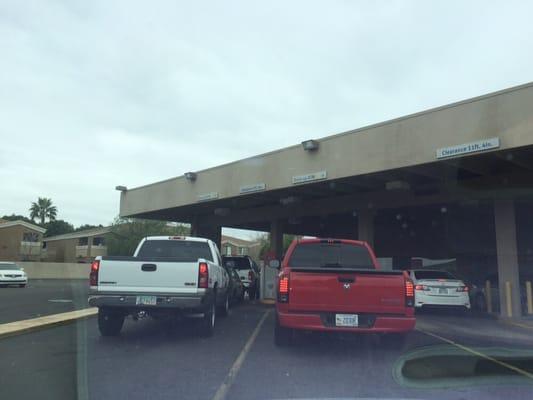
[[149, 267], [346, 279]]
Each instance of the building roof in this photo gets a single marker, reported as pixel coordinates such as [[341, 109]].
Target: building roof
[[80, 234], [7, 224], [238, 242]]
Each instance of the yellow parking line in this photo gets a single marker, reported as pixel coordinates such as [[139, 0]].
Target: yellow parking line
[[530, 327], [479, 354], [28, 325]]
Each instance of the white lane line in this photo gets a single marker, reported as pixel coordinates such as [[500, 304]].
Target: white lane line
[[60, 301], [479, 354], [223, 389]]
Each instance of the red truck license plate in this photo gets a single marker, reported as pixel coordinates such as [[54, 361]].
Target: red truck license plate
[[346, 320]]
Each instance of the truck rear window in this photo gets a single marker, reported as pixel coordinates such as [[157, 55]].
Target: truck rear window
[[326, 255], [433, 275], [237, 263], [177, 250]]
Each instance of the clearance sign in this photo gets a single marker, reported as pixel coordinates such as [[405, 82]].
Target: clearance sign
[[472, 147]]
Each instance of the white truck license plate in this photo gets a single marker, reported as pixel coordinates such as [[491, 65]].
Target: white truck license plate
[[146, 300], [346, 320]]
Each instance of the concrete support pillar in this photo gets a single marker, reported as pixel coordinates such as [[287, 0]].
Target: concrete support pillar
[[365, 226], [506, 251], [211, 232], [276, 238]]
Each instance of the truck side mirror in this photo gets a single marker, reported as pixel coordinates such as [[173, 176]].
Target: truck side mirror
[[274, 264]]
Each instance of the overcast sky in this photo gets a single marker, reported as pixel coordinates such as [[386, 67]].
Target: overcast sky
[[94, 94]]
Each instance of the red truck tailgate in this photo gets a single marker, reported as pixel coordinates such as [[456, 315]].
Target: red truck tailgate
[[373, 292]]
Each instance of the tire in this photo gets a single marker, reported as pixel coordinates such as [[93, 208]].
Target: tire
[[224, 309], [207, 324], [282, 336], [109, 322], [251, 294], [241, 297]]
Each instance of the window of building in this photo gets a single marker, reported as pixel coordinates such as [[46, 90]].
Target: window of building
[[228, 250], [243, 251], [98, 241], [30, 237], [83, 241]]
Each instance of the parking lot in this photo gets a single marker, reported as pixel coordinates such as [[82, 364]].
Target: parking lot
[[472, 356]]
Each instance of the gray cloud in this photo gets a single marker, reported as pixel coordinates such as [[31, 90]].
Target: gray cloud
[[95, 94]]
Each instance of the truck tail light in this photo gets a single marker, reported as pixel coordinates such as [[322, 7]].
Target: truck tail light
[[203, 275], [409, 293], [422, 287], [93, 276], [462, 289], [283, 289], [250, 276]]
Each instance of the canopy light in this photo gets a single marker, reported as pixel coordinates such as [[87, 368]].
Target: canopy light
[[190, 176], [397, 185], [121, 188], [310, 145]]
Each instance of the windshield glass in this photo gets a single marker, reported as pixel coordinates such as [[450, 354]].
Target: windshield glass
[[321, 255], [433, 275], [9, 266], [177, 250], [238, 263]]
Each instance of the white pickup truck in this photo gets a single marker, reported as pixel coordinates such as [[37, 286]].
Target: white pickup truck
[[167, 277]]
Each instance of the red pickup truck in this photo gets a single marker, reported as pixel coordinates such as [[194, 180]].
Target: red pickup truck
[[336, 285]]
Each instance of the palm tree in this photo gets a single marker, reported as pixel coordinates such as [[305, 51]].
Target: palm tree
[[43, 209]]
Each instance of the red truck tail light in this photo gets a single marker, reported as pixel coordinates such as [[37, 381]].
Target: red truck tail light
[[250, 276], [462, 289], [203, 275], [283, 289], [409, 293], [93, 276], [421, 287]]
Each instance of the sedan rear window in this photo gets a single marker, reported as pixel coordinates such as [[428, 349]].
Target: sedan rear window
[[433, 275], [330, 255], [177, 250]]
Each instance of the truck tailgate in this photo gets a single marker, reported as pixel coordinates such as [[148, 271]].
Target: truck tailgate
[[148, 276], [347, 291]]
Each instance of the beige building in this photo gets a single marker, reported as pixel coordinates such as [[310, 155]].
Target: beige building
[[20, 241], [82, 246], [232, 246]]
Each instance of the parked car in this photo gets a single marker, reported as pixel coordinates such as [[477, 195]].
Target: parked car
[[12, 274], [337, 285], [236, 288], [167, 277], [248, 271], [438, 288]]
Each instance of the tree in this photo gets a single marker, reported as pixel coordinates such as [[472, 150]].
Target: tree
[[14, 217], [43, 209], [84, 227], [127, 233], [58, 227], [265, 243]]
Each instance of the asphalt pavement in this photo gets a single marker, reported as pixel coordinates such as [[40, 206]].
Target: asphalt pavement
[[42, 297], [447, 358]]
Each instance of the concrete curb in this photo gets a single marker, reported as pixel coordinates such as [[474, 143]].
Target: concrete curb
[[30, 325]]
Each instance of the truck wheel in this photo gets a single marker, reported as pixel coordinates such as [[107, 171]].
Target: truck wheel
[[207, 324], [282, 335], [224, 309], [251, 294], [109, 322]]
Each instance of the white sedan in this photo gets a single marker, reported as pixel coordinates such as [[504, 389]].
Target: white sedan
[[12, 274], [439, 288]]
